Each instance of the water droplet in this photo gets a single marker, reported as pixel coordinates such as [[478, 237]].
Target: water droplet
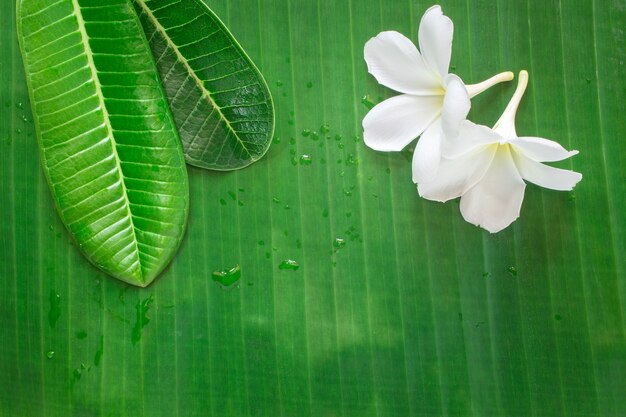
[[142, 308], [20, 105], [306, 160], [388, 170], [309, 84], [348, 191], [276, 200], [76, 376], [55, 308], [122, 294], [292, 141], [50, 354], [315, 136], [306, 133], [279, 83], [232, 195], [486, 274], [222, 201], [339, 243], [25, 119], [324, 129], [261, 243], [289, 264], [78, 373], [81, 335], [276, 140], [240, 203], [352, 160], [227, 277], [367, 102], [512, 270], [98, 356], [571, 196], [557, 317]]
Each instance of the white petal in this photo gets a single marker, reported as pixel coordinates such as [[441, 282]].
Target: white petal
[[396, 63], [456, 105], [397, 121], [495, 201], [435, 39], [456, 176], [470, 138], [544, 175], [427, 153], [541, 150]]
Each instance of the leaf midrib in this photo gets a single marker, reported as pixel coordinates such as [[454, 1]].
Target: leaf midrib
[[107, 123], [192, 73]]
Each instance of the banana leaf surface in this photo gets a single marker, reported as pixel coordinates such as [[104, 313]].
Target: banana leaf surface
[[344, 293]]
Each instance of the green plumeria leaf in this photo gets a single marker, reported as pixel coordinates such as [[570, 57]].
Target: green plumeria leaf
[[108, 143], [219, 99]]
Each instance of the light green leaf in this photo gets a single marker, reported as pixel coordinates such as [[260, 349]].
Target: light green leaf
[[219, 99], [108, 145]]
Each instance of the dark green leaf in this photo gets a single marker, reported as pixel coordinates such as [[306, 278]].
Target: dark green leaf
[[219, 99], [108, 145]]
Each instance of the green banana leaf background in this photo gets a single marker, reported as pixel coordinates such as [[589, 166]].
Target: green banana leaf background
[[397, 306]]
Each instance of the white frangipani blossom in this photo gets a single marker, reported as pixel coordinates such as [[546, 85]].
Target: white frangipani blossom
[[431, 97], [487, 168]]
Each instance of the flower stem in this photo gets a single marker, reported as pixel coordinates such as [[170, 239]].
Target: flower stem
[[506, 124], [475, 89]]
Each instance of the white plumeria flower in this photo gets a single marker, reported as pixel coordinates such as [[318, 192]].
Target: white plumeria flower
[[487, 168], [430, 96]]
